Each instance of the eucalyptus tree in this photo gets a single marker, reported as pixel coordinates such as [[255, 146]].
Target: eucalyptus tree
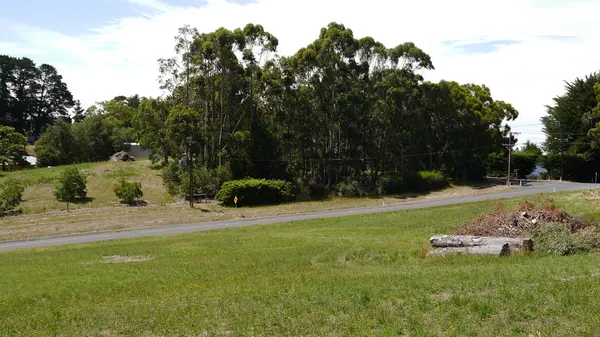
[[340, 108]]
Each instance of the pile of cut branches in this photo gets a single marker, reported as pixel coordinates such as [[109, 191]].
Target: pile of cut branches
[[528, 217]]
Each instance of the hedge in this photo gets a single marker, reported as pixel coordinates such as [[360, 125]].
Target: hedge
[[421, 181], [255, 192], [431, 180]]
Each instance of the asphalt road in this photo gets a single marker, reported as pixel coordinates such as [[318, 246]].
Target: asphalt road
[[531, 188]]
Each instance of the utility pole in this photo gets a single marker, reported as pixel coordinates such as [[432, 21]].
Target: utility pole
[[561, 152], [509, 146], [191, 168]]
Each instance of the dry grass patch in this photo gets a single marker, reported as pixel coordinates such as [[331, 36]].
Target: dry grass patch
[[101, 178], [126, 259]]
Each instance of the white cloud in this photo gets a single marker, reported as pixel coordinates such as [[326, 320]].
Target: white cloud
[[152, 4], [120, 58]]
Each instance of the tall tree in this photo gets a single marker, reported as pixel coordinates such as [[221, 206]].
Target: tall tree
[[12, 148], [183, 129], [52, 96], [58, 146], [150, 124], [571, 117], [31, 97], [571, 130], [531, 147], [78, 112], [341, 108]]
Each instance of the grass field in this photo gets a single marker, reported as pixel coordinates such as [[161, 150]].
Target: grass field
[[45, 216], [101, 179], [354, 276]]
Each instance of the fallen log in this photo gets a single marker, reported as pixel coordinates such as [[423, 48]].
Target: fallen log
[[448, 241], [494, 250]]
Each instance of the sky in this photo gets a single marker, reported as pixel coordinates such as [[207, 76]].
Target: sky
[[523, 50]]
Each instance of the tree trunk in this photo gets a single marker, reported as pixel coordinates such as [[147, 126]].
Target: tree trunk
[[205, 121], [165, 150], [331, 136], [457, 241], [166, 157], [222, 115], [493, 250], [212, 123]]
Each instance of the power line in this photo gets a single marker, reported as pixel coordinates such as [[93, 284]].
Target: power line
[[518, 126], [372, 158]]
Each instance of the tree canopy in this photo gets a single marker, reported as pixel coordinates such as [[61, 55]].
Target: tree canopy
[[572, 127], [339, 108], [31, 97], [12, 148]]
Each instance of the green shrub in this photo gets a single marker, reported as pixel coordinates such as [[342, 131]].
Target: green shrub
[[557, 239], [317, 190], [47, 156], [205, 180], [524, 163], [431, 180], [591, 237], [352, 189], [129, 192], [307, 189], [254, 192], [57, 145], [11, 194], [71, 186], [170, 177], [301, 190], [223, 174], [576, 167], [390, 184], [12, 148], [421, 181]]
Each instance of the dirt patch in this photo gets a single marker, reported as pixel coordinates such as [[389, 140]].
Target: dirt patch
[[442, 296], [578, 277], [445, 296], [126, 259], [530, 215]]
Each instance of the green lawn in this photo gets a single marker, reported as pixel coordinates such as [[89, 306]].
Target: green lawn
[[358, 276]]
